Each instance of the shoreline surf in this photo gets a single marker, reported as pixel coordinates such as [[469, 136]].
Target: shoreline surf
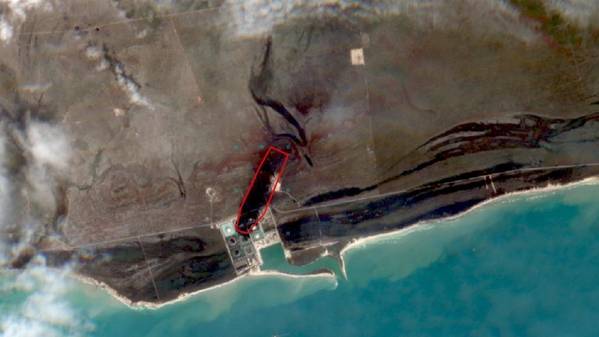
[[356, 243]]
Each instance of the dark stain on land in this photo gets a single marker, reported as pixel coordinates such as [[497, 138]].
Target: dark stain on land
[[259, 87], [530, 131], [260, 189], [178, 264], [421, 204]]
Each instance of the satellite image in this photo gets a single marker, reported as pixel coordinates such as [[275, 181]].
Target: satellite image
[[299, 168]]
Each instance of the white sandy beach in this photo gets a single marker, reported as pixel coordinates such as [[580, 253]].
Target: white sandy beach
[[424, 225], [357, 243], [182, 297]]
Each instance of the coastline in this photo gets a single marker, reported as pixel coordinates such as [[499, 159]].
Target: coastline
[[142, 305], [424, 225], [101, 285], [356, 243]]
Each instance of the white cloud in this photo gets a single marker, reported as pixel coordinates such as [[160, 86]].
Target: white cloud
[[97, 54], [584, 12], [19, 7], [16, 14], [48, 145], [45, 312], [5, 196], [257, 17], [42, 308], [15, 326], [130, 87], [6, 30], [47, 152], [94, 52]]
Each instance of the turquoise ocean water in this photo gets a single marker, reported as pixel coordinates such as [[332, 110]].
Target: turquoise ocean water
[[527, 265]]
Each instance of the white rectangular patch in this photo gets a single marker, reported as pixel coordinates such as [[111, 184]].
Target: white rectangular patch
[[357, 56]]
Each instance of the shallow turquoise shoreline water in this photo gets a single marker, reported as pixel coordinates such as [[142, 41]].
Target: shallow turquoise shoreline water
[[523, 266]]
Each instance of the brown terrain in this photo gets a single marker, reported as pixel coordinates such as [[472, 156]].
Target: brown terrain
[[166, 111]]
